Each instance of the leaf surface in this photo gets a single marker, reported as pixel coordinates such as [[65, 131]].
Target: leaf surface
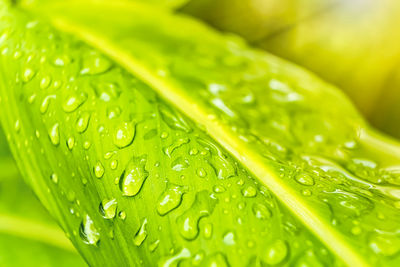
[[195, 148]]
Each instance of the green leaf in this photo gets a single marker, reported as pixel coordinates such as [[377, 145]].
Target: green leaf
[[28, 235], [187, 147]]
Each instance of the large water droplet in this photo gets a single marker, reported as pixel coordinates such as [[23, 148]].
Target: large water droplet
[[170, 199], [28, 74], [261, 211], [180, 164], [202, 206], [229, 239], [175, 145], [134, 176], [88, 232], [124, 134]]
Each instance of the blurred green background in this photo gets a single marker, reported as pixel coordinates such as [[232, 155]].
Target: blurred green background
[[352, 44]]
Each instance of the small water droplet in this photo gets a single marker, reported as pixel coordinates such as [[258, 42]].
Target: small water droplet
[[70, 143], [28, 74], [249, 191], [153, 246], [141, 234], [229, 239], [122, 215], [175, 145], [305, 179], [173, 261], [99, 170], [173, 119], [180, 164], [54, 178], [261, 211], [83, 122], [276, 252], [54, 134], [124, 134], [108, 208], [94, 63], [74, 101], [201, 172], [114, 164]]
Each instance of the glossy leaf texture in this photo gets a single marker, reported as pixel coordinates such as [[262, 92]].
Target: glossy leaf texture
[[353, 44], [28, 235], [195, 149]]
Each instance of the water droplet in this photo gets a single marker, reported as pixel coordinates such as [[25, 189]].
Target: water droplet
[[94, 63], [202, 206], [217, 260], [170, 199], [173, 119], [74, 101], [54, 134], [276, 252], [28, 75], [219, 189], [134, 176], [178, 143], [180, 164], [114, 164], [108, 208], [17, 126], [88, 232], [173, 261], [308, 259], [249, 191], [45, 104], [229, 239], [141, 234], [122, 215], [305, 179], [70, 143], [83, 122], [124, 134], [261, 211], [208, 230], [99, 170], [54, 178], [153, 246], [113, 112], [201, 172], [385, 244]]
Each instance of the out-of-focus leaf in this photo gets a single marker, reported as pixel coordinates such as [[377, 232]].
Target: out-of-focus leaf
[[28, 235], [252, 161], [354, 44]]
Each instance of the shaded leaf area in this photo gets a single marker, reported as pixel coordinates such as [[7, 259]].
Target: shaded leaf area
[[145, 184], [353, 44], [28, 235]]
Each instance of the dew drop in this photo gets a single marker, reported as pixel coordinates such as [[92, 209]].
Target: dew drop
[[134, 176], [74, 101], [54, 134], [98, 170], [28, 75], [261, 211], [175, 145], [88, 232], [70, 143], [202, 206], [229, 239], [124, 134], [83, 122], [305, 179], [170, 199], [54, 178], [276, 252], [173, 119], [201, 172], [108, 208], [94, 63], [179, 164], [249, 191], [141, 234]]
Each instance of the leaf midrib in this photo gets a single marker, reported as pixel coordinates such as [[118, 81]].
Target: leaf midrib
[[221, 133]]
